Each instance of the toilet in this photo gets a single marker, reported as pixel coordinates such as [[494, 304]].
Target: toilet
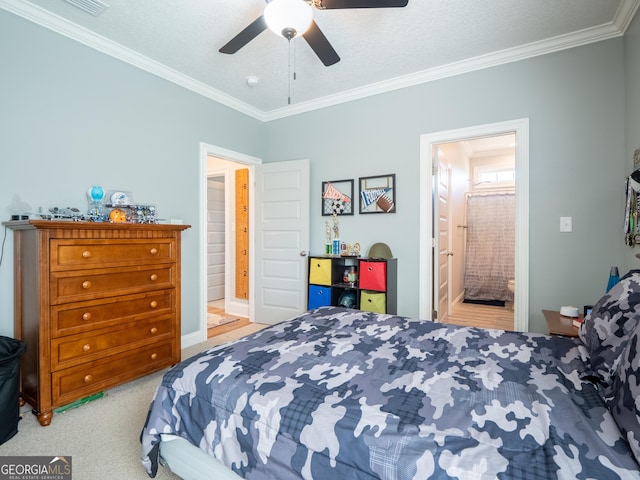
[[511, 285]]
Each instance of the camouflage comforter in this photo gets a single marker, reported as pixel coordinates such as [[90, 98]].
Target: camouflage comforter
[[342, 394]]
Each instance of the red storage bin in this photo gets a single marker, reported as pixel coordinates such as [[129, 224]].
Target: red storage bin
[[373, 275]]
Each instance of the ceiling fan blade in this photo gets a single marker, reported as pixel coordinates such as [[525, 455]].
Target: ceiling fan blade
[[245, 36], [336, 4], [319, 44]]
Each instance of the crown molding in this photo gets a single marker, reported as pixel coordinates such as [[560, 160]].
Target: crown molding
[[624, 15], [587, 36], [53, 22], [64, 27]]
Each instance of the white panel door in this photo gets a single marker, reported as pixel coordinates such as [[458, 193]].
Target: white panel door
[[281, 240], [444, 248]]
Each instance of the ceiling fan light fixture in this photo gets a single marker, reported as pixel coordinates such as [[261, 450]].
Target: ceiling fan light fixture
[[288, 18]]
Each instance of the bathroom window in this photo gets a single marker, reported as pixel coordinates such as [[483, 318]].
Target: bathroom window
[[494, 177]]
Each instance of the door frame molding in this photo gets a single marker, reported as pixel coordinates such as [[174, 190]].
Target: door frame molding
[[521, 129], [232, 156]]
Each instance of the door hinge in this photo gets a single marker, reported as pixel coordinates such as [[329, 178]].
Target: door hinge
[[434, 315], [434, 169]]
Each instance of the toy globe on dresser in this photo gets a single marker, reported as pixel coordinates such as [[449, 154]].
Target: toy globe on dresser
[[96, 211]]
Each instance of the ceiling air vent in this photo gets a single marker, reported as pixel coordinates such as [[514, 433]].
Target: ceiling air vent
[[94, 7]]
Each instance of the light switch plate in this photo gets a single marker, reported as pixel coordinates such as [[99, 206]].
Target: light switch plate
[[565, 224]]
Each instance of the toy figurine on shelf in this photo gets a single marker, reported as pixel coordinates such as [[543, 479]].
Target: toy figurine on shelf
[[352, 250]]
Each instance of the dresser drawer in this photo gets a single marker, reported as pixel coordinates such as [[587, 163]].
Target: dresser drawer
[[77, 382], [69, 254], [73, 286], [71, 318], [81, 348]]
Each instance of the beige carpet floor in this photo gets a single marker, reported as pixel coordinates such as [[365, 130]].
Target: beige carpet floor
[[102, 437]]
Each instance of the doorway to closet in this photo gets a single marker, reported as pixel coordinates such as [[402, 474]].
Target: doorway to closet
[[278, 237], [436, 250], [225, 312]]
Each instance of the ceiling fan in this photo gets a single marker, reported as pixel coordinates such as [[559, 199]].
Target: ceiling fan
[[279, 15]]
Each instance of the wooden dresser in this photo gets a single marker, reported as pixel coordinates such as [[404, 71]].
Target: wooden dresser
[[98, 304]]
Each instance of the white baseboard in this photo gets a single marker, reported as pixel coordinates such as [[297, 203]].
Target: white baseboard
[[191, 339]]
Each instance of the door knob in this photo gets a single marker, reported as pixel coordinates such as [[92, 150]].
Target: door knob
[[450, 254], [303, 253]]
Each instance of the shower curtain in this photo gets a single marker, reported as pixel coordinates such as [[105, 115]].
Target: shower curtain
[[490, 249]]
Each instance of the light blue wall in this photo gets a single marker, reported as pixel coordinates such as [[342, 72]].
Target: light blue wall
[[575, 102], [71, 117]]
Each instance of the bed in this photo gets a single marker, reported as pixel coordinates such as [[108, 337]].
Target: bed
[[345, 394]]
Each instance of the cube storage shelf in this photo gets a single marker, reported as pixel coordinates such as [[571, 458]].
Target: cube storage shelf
[[374, 288]]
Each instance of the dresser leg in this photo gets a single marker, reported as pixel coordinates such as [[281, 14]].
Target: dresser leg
[[44, 418]]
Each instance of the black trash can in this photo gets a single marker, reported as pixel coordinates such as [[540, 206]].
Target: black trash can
[[10, 352]]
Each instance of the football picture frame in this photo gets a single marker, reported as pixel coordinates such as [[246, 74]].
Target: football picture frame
[[378, 194]]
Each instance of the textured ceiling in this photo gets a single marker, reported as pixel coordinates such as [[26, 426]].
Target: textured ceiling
[[380, 49]]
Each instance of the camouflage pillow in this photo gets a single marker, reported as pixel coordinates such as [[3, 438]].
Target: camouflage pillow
[[625, 404], [607, 329]]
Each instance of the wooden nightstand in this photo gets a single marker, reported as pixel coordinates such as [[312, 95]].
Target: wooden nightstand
[[559, 324]]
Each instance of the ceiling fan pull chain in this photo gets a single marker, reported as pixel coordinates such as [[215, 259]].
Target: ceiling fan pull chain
[[294, 62], [292, 67]]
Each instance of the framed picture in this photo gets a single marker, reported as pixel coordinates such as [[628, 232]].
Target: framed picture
[[378, 194], [337, 197]]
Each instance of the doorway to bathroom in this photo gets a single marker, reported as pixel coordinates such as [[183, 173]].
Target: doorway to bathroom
[[461, 171], [476, 231]]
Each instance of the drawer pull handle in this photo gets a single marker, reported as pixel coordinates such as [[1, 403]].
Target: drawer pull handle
[[86, 284], [88, 378], [86, 347], [86, 316], [154, 356], [86, 254], [153, 277], [153, 331], [153, 251], [153, 304]]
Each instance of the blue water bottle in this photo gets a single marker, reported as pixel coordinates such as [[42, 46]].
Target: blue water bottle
[[614, 277]]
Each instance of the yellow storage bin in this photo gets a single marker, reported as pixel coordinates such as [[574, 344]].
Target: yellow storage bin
[[373, 302], [320, 271]]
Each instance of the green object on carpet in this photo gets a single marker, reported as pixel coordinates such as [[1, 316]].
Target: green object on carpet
[[80, 402]]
